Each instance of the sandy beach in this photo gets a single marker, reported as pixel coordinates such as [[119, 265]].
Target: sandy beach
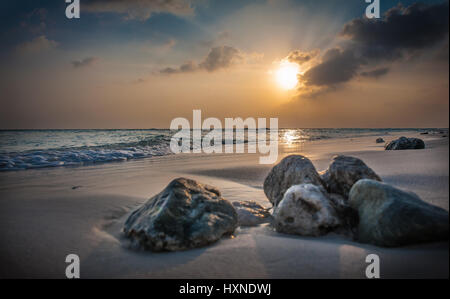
[[46, 214]]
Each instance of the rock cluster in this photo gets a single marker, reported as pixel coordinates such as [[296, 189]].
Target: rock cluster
[[350, 198]]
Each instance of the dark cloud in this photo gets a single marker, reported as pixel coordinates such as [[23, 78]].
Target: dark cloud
[[218, 58], [337, 66], [409, 29], [138, 9], [417, 30], [300, 57], [376, 73], [88, 61]]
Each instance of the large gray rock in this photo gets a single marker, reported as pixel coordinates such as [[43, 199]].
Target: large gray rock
[[391, 217], [186, 214], [292, 170], [344, 172], [404, 143], [305, 210], [251, 214]]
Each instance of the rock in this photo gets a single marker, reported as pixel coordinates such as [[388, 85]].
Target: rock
[[391, 217], [185, 215], [380, 140], [345, 171], [251, 214], [404, 143], [424, 133], [292, 170], [305, 210], [348, 216]]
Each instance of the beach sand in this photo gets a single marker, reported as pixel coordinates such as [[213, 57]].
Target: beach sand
[[46, 214]]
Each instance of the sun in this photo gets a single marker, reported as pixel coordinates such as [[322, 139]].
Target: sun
[[287, 75]]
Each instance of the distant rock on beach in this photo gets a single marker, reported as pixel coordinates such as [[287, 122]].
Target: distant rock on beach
[[391, 217], [251, 214], [292, 170], [404, 143], [380, 140], [185, 215]]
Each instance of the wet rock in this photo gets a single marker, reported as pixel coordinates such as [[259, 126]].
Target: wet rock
[[391, 217], [404, 143], [251, 214], [344, 172], [305, 210], [186, 214], [292, 170], [380, 140]]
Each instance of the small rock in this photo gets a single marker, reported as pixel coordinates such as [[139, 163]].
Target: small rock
[[251, 214], [424, 133], [345, 171], [380, 140], [404, 143], [185, 215], [292, 170], [305, 210], [391, 217]]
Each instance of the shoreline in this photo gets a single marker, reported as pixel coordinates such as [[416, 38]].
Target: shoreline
[[44, 219]]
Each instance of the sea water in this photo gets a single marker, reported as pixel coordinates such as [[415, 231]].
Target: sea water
[[28, 149]]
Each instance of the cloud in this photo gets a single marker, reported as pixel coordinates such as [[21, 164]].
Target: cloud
[[300, 57], [139, 9], [337, 66], [217, 58], [88, 61], [184, 68], [38, 44], [409, 30], [220, 57], [376, 73]]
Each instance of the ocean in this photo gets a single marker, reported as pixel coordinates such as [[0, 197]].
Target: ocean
[[30, 149]]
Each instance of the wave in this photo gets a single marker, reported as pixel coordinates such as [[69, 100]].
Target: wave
[[85, 155]]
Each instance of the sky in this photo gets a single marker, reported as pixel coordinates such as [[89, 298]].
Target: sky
[[143, 63]]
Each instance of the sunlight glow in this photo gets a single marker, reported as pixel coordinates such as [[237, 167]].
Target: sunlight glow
[[286, 75]]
